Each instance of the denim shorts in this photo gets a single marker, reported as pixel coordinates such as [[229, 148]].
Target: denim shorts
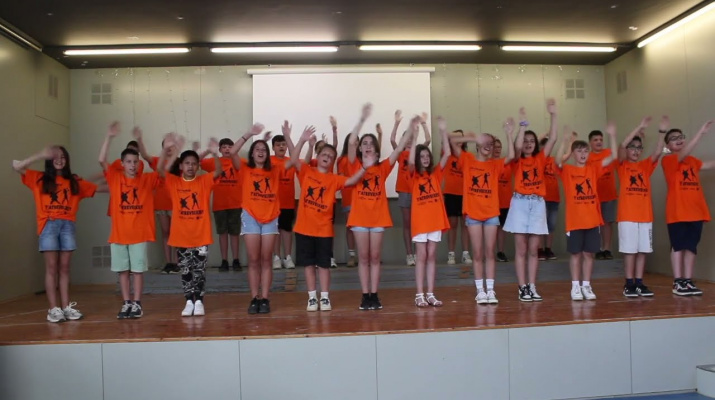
[[493, 221], [58, 235], [249, 226], [370, 230], [527, 215]]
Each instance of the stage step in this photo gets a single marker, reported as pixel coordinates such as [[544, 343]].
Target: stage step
[[706, 380]]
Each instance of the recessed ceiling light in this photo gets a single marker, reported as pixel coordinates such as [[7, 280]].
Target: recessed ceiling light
[[614, 6], [180, 17], [337, 12], [421, 47], [586, 49], [98, 52], [133, 37], [633, 28], [49, 14], [276, 49]]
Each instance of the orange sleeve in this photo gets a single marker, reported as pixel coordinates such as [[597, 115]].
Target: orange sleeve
[[86, 189], [208, 164]]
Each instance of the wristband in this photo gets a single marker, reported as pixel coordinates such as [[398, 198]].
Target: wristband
[[524, 123]]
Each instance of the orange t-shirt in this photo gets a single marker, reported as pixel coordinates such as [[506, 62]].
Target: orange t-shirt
[[583, 209], [317, 199], [635, 204], [190, 219], [117, 166], [61, 203], [481, 187], [344, 170], [506, 185], [607, 184], [529, 175], [286, 191], [131, 202], [162, 199], [551, 181], [685, 201], [227, 190], [369, 204], [453, 176], [428, 213], [403, 163], [260, 192]]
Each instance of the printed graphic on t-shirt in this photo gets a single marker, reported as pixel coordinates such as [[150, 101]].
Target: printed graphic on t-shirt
[[189, 204], [129, 199], [690, 178], [584, 189], [228, 176]]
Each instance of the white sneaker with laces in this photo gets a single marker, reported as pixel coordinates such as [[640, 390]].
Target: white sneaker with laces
[[482, 298], [492, 297], [466, 258], [56, 315], [199, 308], [277, 262], [576, 293], [325, 304], [410, 260], [312, 304], [450, 258], [288, 263], [588, 293], [534, 295], [188, 309], [72, 314], [333, 264]]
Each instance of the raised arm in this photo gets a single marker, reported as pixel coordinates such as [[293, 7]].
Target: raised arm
[[444, 141], [564, 152], [413, 150], [393, 135], [334, 126], [286, 129], [309, 154], [553, 129], [519, 141], [638, 130], [139, 137], [694, 141], [112, 132], [509, 131], [663, 127], [48, 153], [414, 126], [213, 149], [353, 137], [173, 144], [308, 135], [425, 127], [611, 131], [256, 129]]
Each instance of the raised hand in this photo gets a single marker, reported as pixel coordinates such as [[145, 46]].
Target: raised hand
[[611, 129], [522, 114], [378, 129], [509, 126], [114, 129], [48, 153], [323, 138], [645, 122], [366, 111], [286, 128], [706, 126], [309, 135], [423, 117], [551, 106], [664, 124], [441, 123], [195, 145], [256, 129], [213, 146], [415, 124], [267, 136], [398, 116], [333, 122], [137, 133]]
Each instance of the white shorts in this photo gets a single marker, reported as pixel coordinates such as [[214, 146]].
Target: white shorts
[[635, 237], [435, 236]]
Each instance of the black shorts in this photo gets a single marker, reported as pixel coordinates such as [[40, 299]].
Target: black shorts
[[313, 251], [453, 205], [584, 240], [286, 219], [503, 212], [685, 235]]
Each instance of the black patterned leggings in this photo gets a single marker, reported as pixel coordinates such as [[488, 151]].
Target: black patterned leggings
[[192, 262]]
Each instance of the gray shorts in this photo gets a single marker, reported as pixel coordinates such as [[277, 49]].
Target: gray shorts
[[608, 211], [552, 214], [404, 200], [584, 240]]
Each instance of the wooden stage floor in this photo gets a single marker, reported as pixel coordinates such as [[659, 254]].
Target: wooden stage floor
[[22, 321]]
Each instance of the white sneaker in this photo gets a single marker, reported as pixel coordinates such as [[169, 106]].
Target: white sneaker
[[450, 258], [410, 260], [482, 298], [199, 308], [72, 314], [288, 263], [534, 295], [325, 304], [276, 262], [492, 297], [333, 264], [56, 315], [576, 293], [312, 304], [188, 309], [466, 259], [588, 293]]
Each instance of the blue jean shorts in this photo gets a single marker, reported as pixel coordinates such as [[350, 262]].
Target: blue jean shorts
[[249, 226], [493, 221], [527, 215], [58, 235], [369, 230]]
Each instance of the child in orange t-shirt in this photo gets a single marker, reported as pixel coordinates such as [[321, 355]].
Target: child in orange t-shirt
[[191, 222], [162, 210], [607, 195], [481, 205], [453, 198], [346, 194], [552, 199], [370, 214], [403, 189], [57, 192], [131, 202], [506, 190], [635, 208], [286, 198], [428, 212], [314, 227], [583, 213], [685, 207]]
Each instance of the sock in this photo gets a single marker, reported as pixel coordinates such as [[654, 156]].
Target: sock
[[639, 281], [323, 295], [490, 284], [479, 283], [586, 283], [351, 253], [465, 252], [311, 294], [451, 253], [575, 284], [199, 298], [629, 282]]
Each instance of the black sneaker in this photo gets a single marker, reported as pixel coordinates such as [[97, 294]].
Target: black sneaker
[[236, 264], [136, 311], [253, 307], [607, 255], [541, 255], [549, 254], [680, 288], [365, 302], [375, 302], [501, 257], [694, 291], [264, 307], [630, 291], [644, 291], [525, 293], [168, 268], [600, 255], [125, 311], [224, 266], [175, 269]]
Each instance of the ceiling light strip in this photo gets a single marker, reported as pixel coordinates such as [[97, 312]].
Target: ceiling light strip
[[677, 24], [420, 47], [126, 51], [276, 49], [575, 49]]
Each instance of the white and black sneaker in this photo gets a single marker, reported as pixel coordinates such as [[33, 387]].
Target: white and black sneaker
[[535, 296], [525, 293], [312, 304], [694, 291], [680, 288]]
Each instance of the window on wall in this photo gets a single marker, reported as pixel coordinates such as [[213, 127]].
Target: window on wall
[[101, 93], [575, 89]]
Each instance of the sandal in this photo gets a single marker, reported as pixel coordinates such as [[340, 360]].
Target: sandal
[[420, 300], [433, 300]]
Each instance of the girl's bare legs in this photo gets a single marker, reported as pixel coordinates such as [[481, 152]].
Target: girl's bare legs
[[520, 242], [266, 251]]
